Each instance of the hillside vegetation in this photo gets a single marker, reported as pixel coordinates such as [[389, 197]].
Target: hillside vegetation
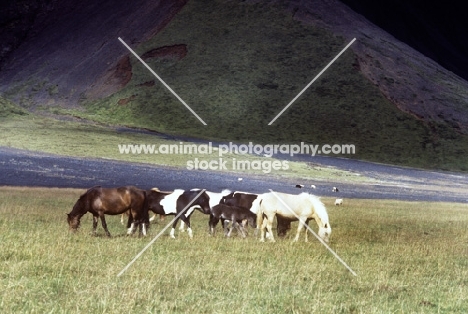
[[237, 65], [238, 80], [9, 109]]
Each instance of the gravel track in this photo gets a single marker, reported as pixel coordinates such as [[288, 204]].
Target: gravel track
[[26, 168]]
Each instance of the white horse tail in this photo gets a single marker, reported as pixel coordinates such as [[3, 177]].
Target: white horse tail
[[256, 208]]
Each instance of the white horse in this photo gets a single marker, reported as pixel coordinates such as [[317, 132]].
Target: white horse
[[303, 206]]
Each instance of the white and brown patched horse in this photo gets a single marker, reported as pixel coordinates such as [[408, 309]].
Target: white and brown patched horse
[[303, 206], [215, 199], [172, 203]]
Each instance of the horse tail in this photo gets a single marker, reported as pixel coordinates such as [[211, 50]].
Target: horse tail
[[145, 212], [257, 208]]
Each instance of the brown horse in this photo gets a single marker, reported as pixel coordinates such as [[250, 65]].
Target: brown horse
[[111, 201]]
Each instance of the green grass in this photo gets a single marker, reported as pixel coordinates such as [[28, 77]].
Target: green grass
[[238, 80], [9, 109], [410, 257], [87, 140]]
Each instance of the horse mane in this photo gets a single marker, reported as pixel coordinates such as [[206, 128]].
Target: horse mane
[[88, 190], [319, 207]]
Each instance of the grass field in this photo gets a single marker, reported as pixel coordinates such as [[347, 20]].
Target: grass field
[[410, 257], [88, 140]]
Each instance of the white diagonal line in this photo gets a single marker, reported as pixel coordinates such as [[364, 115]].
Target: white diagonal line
[[160, 233], [160, 79], [312, 231], [308, 85]]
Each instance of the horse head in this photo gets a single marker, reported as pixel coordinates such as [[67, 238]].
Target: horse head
[[321, 218], [73, 222], [325, 232], [79, 209], [204, 202]]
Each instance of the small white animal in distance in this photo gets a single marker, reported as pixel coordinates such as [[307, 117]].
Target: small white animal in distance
[[313, 186], [335, 189], [239, 179], [338, 201]]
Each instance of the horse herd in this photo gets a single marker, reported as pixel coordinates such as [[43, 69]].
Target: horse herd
[[236, 209]]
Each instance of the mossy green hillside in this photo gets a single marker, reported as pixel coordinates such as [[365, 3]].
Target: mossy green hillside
[[244, 63]]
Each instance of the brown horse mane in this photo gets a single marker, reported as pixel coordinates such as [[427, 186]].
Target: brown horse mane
[[88, 190]]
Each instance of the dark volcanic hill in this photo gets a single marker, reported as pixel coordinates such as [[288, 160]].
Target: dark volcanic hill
[[60, 49], [237, 64], [437, 29]]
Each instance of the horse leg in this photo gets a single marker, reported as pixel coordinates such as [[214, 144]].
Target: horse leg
[[226, 223], [240, 228], [186, 220], [142, 228], [263, 228], [130, 224], [104, 225], [141, 222], [182, 227], [269, 225], [95, 222], [262, 225], [212, 224], [227, 230], [299, 228], [172, 234]]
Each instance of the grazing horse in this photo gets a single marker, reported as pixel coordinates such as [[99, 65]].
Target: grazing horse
[[173, 203], [245, 200], [305, 206], [100, 201], [234, 214], [215, 199], [127, 213]]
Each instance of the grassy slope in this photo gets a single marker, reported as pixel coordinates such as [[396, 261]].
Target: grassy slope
[[8, 109], [36, 133], [410, 257], [238, 79]]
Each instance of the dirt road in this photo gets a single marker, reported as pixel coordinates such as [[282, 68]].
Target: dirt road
[[25, 168]]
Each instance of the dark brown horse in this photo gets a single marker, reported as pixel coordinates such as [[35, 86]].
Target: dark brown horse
[[111, 201], [234, 214]]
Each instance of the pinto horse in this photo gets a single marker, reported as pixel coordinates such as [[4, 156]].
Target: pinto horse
[[215, 199], [100, 201], [305, 206], [164, 203]]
